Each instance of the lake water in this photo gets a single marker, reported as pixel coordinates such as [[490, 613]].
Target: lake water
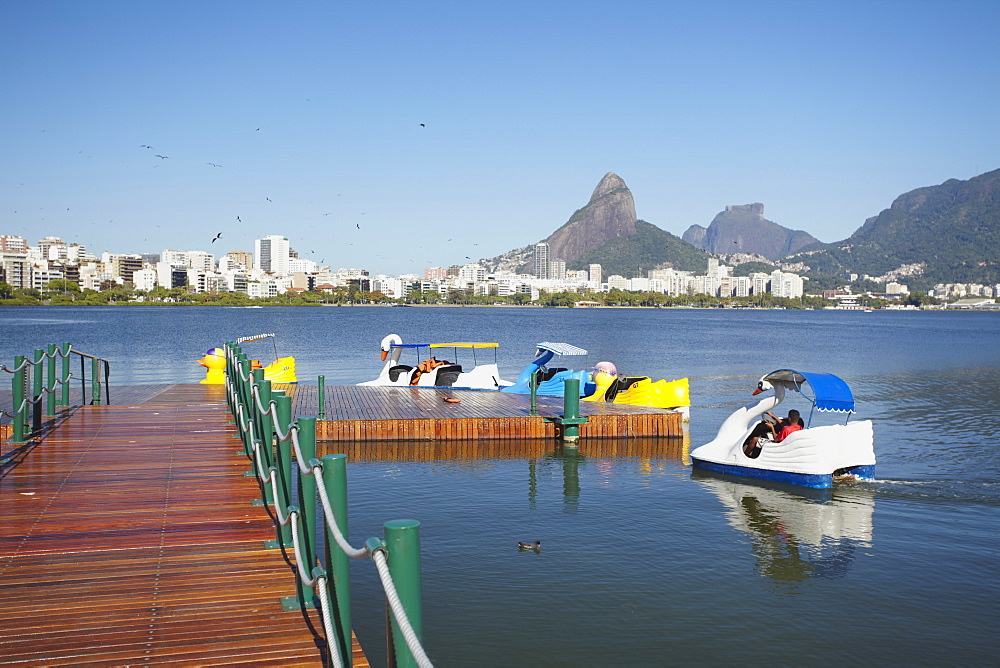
[[643, 560]]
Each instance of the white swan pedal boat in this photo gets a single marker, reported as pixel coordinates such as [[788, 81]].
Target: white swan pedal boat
[[811, 457], [428, 370]]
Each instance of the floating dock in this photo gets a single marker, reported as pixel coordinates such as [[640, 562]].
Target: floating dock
[[392, 413]]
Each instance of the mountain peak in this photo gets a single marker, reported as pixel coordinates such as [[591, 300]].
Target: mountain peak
[[609, 214], [610, 183]]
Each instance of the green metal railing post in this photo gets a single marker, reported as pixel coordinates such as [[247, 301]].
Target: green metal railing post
[[337, 563], [95, 382], [307, 487], [256, 377], [284, 464], [321, 398], [18, 385], [533, 386], [266, 436], [243, 394], [402, 544], [50, 381], [569, 422], [230, 375], [36, 390], [571, 410], [64, 401]]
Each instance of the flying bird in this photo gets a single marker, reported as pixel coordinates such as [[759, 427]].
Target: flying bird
[[238, 219], [422, 125], [146, 146], [213, 164], [161, 157], [217, 237], [268, 199], [359, 225]]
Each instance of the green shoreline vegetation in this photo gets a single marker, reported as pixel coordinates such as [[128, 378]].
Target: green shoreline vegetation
[[67, 293]]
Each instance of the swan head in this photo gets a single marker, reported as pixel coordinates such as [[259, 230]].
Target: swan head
[[387, 343], [762, 386]]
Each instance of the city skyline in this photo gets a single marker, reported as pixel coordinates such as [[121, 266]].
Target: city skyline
[[375, 134]]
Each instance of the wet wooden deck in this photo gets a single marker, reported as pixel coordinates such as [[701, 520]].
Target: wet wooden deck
[[366, 413], [127, 537]]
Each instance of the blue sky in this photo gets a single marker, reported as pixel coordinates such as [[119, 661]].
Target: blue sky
[[823, 111]]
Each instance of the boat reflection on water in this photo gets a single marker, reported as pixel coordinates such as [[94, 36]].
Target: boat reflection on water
[[655, 455], [651, 448], [796, 534]]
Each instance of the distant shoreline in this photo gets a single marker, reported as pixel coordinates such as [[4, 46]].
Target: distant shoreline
[[532, 306]]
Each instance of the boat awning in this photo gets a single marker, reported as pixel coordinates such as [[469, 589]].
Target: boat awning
[[410, 345], [561, 348], [830, 392], [255, 337], [465, 344]]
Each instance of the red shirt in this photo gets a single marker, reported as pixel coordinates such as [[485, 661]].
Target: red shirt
[[786, 430]]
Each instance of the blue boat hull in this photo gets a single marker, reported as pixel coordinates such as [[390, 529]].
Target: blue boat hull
[[815, 481]]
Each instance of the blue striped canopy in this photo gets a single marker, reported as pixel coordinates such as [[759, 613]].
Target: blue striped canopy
[[831, 393]]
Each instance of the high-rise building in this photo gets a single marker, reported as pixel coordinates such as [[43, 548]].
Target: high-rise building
[[557, 270], [595, 273], [271, 254], [541, 264]]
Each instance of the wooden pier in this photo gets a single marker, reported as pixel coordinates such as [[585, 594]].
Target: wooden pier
[[368, 413], [127, 537]]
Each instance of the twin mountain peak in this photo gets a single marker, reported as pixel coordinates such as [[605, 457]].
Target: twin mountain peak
[[607, 231]]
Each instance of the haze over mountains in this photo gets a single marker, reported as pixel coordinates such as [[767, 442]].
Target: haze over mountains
[[936, 234], [743, 229]]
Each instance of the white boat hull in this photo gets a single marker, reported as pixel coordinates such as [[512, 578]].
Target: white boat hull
[[810, 457]]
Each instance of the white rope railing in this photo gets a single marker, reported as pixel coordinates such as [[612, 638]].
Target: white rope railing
[[319, 581], [45, 355], [412, 642], [324, 602]]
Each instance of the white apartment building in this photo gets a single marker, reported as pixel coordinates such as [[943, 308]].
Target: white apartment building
[[617, 282], [271, 254], [301, 266], [41, 277], [786, 285], [175, 257], [144, 279], [200, 260], [471, 273], [93, 274], [557, 270], [15, 269], [393, 288], [258, 289]]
